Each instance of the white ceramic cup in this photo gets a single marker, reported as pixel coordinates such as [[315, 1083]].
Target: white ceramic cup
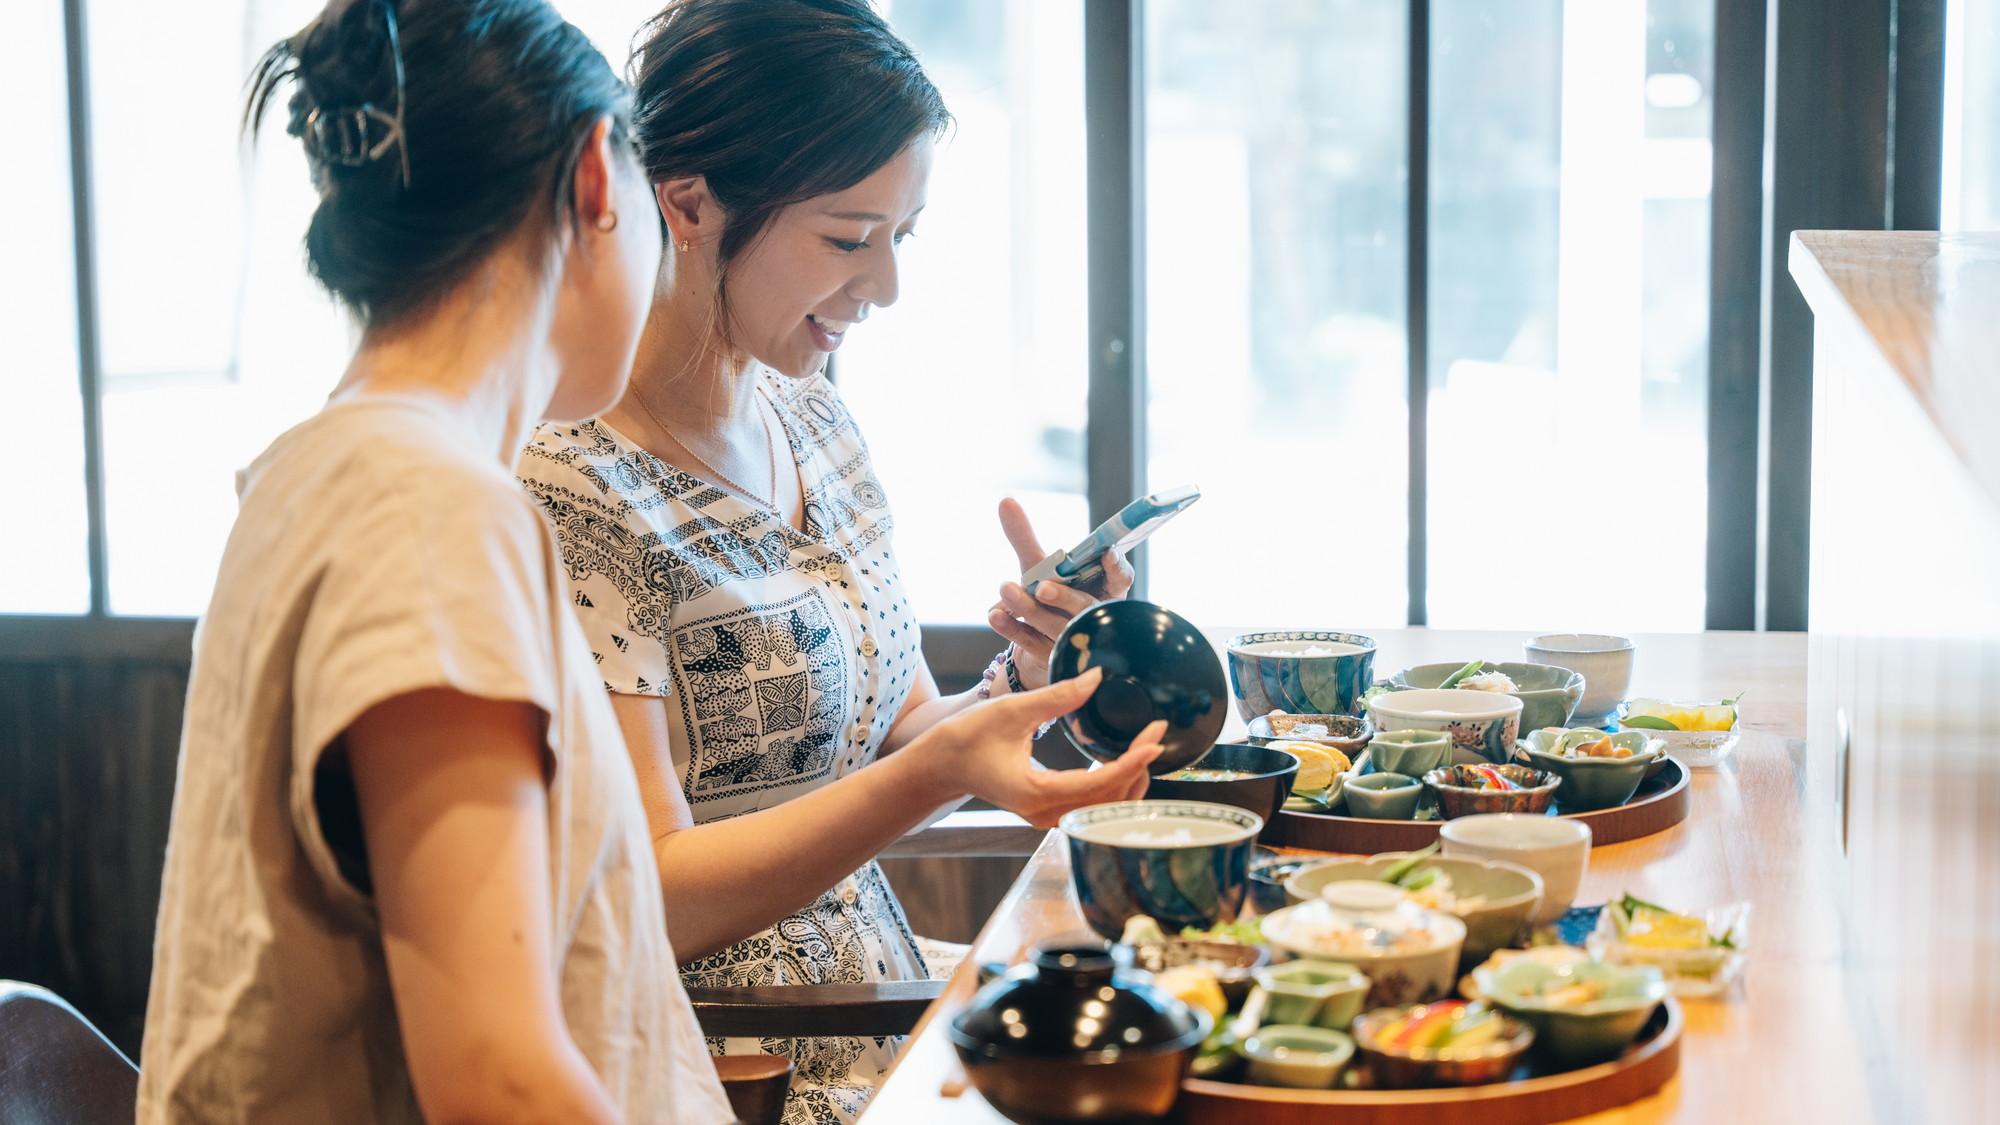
[[1604, 660], [1556, 848]]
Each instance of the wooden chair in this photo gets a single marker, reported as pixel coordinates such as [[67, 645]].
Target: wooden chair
[[786, 1011], [54, 1066]]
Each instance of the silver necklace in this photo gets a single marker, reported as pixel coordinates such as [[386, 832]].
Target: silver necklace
[[770, 453]]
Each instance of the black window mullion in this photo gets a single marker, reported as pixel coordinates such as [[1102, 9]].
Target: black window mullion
[[1735, 312], [1916, 115], [89, 364], [1114, 125]]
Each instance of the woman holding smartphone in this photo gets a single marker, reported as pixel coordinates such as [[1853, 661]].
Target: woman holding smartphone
[[729, 541], [410, 876]]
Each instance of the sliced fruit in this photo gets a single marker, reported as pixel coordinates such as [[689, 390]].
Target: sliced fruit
[[1194, 986]]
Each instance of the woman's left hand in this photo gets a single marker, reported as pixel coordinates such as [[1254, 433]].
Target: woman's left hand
[[1033, 621]]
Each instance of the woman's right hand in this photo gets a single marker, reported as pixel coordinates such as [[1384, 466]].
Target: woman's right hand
[[987, 751]]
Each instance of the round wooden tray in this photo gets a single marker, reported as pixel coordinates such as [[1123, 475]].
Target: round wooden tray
[[1660, 803], [1646, 1066]]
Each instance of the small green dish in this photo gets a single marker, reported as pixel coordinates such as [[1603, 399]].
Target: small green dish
[[1383, 796], [1303, 1058], [1592, 783], [1321, 993], [1590, 1032], [1412, 753]]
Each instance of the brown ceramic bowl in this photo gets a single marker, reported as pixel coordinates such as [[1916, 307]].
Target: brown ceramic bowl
[[1459, 794], [1410, 1068]]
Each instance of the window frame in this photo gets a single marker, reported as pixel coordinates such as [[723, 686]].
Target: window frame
[[1778, 62]]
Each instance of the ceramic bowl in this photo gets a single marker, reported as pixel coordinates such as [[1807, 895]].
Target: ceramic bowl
[[1348, 734], [1407, 1068], [1555, 847], [1459, 793], [1412, 753], [1303, 1058], [1483, 725], [1383, 796], [1692, 747], [1273, 672], [1156, 666], [1595, 783], [1181, 863], [1268, 872], [1234, 964], [1023, 1047], [1502, 896], [1265, 781], [1604, 660], [1582, 1033], [1307, 991], [1409, 954], [1548, 694]]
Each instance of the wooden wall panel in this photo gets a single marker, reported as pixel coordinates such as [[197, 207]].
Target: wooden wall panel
[[87, 758]]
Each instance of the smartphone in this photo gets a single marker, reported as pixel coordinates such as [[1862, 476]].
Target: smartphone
[[1082, 566]]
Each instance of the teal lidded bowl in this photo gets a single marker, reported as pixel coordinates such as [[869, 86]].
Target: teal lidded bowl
[[1593, 783], [1592, 1031], [1548, 694]]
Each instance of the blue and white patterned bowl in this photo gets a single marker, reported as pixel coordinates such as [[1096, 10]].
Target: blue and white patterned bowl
[[1181, 863], [1267, 672]]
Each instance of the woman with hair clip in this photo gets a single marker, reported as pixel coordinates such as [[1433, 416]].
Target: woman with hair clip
[[409, 876], [728, 538]]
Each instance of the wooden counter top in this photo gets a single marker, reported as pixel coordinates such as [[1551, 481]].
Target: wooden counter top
[[1931, 304], [1778, 1048]]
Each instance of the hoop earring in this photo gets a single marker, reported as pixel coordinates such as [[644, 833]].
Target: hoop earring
[[608, 222]]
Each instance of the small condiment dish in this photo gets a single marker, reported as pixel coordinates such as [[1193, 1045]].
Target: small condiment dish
[[1461, 794], [1404, 1068], [1412, 753], [1301, 1057], [1383, 796], [1309, 991], [1578, 1032], [1590, 783]]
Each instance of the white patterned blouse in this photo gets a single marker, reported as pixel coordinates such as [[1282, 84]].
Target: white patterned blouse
[[784, 657]]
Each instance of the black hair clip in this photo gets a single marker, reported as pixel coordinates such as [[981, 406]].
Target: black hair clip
[[341, 136]]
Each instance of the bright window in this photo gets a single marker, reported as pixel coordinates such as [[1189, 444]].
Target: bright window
[[44, 566]]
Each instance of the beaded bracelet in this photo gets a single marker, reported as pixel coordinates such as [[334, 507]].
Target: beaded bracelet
[[1003, 665]]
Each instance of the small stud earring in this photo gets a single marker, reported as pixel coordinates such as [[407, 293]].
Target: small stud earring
[[608, 222], [686, 245]]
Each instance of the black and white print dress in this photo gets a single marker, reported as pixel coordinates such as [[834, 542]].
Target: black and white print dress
[[784, 657]]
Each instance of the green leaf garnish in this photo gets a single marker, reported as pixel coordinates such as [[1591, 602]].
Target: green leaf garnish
[[1647, 722]]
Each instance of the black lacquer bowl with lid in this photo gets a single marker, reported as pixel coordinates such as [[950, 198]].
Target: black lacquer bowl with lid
[[1157, 665], [1072, 1036]]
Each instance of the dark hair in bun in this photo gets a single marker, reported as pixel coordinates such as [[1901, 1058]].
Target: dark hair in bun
[[776, 102], [435, 128]]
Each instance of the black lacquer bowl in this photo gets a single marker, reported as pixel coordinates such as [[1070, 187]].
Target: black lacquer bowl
[[1072, 1037], [1265, 779], [1157, 665]]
